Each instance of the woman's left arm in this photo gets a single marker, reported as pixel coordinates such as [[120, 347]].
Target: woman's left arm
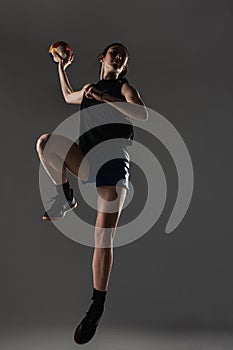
[[135, 108]]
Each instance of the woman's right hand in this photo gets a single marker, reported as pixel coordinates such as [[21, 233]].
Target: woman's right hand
[[64, 63]]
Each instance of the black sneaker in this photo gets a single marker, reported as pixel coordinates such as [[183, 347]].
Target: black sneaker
[[60, 207], [85, 331]]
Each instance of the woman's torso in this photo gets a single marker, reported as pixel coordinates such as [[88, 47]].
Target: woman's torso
[[94, 114]]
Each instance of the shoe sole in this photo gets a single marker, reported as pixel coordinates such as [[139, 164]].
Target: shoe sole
[[45, 218], [77, 343]]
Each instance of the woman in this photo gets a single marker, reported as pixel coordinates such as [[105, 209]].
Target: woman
[[112, 177]]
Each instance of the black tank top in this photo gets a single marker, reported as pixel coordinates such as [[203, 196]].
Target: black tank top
[[89, 117]]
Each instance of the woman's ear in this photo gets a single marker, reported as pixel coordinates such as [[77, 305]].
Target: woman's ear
[[125, 68], [101, 58]]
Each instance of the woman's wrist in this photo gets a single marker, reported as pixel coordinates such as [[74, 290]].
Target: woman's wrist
[[102, 96], [105, 97], [60, 66]]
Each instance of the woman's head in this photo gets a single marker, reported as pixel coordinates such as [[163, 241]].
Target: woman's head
[[115, 56]]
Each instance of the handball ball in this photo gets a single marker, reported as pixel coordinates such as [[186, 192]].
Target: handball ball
[[60, 48]]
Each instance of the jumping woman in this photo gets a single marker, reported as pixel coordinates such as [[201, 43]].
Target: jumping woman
[[111, 179]]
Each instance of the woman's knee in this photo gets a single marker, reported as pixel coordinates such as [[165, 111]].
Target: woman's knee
[[41, 143], [107, 220]]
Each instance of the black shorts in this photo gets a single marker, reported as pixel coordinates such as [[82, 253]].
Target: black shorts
[[113, 172]]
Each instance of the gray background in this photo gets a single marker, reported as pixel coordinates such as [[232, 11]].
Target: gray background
[[181, 63]]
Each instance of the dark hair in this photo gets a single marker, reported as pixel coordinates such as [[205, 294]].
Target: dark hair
[[113, 44], [104, 52]]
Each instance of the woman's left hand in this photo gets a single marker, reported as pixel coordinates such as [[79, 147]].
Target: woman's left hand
[[92, 92]]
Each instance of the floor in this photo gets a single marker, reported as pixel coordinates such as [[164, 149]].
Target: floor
[[114, 339]]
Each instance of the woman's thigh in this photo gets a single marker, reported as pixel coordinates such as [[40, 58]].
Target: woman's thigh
[[110, 201], [69, 152]]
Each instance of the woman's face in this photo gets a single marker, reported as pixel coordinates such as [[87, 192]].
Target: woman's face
[[116, 58]]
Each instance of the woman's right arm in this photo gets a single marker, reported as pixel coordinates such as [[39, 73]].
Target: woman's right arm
[[70, 96]]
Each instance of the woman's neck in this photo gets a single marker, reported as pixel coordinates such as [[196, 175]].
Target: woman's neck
[[109, 75]]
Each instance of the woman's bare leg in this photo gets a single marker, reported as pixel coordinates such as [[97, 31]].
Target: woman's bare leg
[[57, 154], [106, 223], [105, 227]]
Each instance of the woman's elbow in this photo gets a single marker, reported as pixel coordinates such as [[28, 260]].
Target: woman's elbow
[[145, 114], [67, 99], [70, 101], [73, 99]]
